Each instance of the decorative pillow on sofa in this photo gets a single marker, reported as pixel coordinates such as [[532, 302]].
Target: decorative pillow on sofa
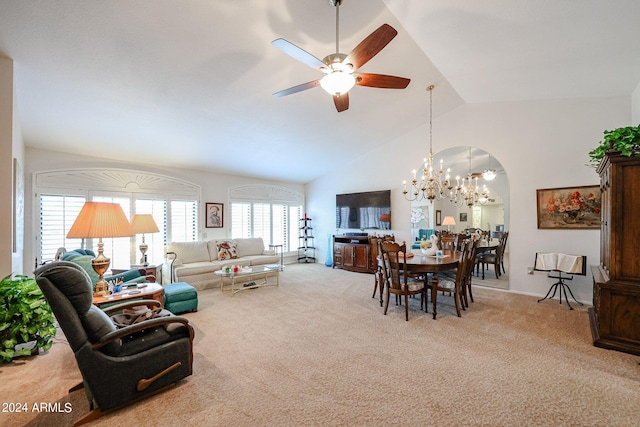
[[227, 249]]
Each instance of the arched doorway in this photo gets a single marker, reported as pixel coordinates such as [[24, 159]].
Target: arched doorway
[[491, 215]]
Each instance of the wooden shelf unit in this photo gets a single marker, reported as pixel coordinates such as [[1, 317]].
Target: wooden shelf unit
[[306, 250]]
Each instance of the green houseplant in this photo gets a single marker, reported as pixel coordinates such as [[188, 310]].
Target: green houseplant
[[25, 316], [625, 141]]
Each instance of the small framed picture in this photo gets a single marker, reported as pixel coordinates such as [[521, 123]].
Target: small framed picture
[[438, 217], [214, 215], [463, 217]]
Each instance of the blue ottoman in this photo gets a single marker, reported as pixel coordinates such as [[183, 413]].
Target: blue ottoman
[[180, 297]]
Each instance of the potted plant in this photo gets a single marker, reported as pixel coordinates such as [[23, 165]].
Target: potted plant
[[25, 317], [624, 141]]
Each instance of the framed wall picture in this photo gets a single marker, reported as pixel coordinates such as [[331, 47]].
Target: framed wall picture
[[463, 217], [438, 217], [569, 208], [214, 215]]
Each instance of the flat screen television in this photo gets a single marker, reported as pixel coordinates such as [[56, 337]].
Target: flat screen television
[[367, 210]]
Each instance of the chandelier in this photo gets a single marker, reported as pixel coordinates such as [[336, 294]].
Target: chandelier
[[430, 185], [469, 192]]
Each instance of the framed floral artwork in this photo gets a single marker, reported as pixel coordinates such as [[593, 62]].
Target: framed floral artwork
[[569, 208], [214, 215], [438, 217]]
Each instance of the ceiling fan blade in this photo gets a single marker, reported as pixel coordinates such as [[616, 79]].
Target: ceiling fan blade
[[298, 88], [341, 102], [381, 81], [370, 46], [299, 54]]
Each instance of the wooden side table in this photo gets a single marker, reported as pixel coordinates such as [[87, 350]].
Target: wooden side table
[[153, 291]]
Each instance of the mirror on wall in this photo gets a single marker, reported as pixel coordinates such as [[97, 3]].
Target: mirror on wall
[[489, 214]]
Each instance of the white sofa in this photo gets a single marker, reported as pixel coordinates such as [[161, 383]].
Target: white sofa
[[196, 262]]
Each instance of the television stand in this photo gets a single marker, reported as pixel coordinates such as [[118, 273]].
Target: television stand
[[563, 289]]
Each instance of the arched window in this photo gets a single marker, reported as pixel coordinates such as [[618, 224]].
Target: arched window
[[62, 193]]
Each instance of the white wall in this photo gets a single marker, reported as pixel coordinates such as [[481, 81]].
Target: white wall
[[215, 188], [635, 106], [541, 144], [11, 146], [6, 164]]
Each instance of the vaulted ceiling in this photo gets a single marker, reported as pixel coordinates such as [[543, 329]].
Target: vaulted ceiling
[[189, 83]]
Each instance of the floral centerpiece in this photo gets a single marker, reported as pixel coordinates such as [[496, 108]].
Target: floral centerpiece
[[428, 246]]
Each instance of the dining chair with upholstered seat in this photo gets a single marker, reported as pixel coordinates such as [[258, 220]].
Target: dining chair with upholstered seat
[[456, 284], [394, 264], [496, 258]]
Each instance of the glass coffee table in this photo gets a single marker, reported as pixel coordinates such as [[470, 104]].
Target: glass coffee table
[[249, 278]]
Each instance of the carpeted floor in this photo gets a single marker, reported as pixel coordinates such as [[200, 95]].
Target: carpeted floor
[[317, 351]]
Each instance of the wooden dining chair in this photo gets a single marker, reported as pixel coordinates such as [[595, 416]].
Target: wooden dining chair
[[467, 293], [456, 284], [394, 264], [447, 243], [496, 258]]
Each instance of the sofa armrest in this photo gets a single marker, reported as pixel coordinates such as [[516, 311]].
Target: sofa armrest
[[269, 252]]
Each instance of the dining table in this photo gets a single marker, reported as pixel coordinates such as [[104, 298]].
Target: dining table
[[424, 264]]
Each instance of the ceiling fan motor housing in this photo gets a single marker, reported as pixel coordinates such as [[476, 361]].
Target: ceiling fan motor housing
[[334, 61]]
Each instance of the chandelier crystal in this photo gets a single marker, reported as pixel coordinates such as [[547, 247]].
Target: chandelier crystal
[[432, 184]]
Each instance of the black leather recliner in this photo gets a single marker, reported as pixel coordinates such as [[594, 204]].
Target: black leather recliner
[[118, 366]]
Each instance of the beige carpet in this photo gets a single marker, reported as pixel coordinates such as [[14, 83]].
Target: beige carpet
[[317, 351]]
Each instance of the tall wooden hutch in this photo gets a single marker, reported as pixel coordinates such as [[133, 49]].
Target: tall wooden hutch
[[615, 315]]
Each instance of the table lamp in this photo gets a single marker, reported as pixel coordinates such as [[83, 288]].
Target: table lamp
[[448, 221], [98, 220], [143, 223]]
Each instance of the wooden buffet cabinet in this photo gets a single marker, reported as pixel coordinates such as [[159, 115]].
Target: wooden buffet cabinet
[[615, 315], [355, 253]]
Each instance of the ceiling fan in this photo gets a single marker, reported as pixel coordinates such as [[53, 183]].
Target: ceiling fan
[[340, 69]]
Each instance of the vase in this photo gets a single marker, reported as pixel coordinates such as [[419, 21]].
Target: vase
[[329, 260], [429, 251]]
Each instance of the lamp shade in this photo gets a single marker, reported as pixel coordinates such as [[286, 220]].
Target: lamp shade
[[448, 220], [143, 223], [100, 220]]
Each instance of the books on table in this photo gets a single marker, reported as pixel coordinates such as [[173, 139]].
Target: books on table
[[573, 264]]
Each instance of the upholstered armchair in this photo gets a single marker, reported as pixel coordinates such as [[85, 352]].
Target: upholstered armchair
[[83, 258], [118, 366]]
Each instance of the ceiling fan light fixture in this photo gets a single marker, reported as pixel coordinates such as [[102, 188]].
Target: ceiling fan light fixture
[[489, 174], [338, 82]]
